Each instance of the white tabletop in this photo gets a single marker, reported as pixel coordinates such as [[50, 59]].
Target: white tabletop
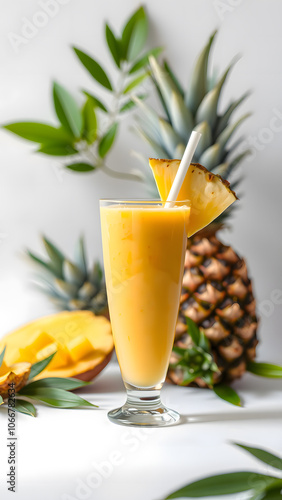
[[79, 454]]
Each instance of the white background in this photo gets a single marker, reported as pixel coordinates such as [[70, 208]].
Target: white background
[[36, 197]]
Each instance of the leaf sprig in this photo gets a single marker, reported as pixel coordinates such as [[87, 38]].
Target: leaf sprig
[[50, 391], [260, 486], [88, 133]]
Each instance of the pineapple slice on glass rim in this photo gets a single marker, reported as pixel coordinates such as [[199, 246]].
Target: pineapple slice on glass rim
[[209, 194]]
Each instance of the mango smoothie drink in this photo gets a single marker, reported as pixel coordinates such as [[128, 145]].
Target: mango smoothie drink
[[144, 247]]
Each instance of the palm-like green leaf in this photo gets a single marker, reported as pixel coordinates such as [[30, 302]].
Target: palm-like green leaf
[[67, 110], [57, 398], [137, 19], [89, 131], [223, 484], [25, 407], [262, 455], [96, 102], [80, 167], [265, 369], [228, 394], [113, 45], [38, 367], [107, 140], [68, 384], [144, 60], [135, 82], [94, 68], [39, 132]]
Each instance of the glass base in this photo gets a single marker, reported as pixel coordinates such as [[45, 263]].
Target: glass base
[[143, 408]]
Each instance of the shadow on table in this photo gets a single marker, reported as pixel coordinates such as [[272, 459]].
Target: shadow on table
[[224, 417]]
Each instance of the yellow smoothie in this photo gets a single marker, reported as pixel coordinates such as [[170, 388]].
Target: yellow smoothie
[[144, 249]]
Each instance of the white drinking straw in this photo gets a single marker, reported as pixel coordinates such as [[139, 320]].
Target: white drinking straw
[[183, 167]]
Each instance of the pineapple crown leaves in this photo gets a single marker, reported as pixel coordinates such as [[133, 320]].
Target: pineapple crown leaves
[[197, 362], [85, 135], [196, 108], [261, 486], [69, 283], [50, 391]]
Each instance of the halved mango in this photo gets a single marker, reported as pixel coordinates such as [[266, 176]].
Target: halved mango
[[83, 343]]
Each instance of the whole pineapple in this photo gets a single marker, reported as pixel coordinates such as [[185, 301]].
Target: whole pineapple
[[217, 292], [70, 284]]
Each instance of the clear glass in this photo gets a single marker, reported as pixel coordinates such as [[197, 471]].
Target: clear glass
[[144, 246]]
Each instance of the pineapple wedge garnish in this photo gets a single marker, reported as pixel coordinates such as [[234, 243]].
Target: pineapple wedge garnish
[[208, 193]]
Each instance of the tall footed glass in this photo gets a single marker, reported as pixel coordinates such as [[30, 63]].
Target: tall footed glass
[[144, 246]]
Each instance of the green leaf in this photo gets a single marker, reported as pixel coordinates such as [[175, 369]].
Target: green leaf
[[46, 265], [1, 400], [144, 60], [2, 356], [80, 167], [38, 132], [67, 110], [211, 157], [131, 103], [128, 31], [204, 342], [113, 45], [80, 255], [107, 141], [68, 384], [193, 331], [159, 150], [135, 82], [273, 491], [38, 367], [53, 252], [224, 119], [57, 149], [206, 138], [189, 377], [227, 133], [138, 38], [222, 484], [97, 103], [25, 407], [198, 85], [89, 121], [263, 456], [94, 68], [170, 139], [227, 394], [174, 78], [58, 398], [181, 118], [265, 369]]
